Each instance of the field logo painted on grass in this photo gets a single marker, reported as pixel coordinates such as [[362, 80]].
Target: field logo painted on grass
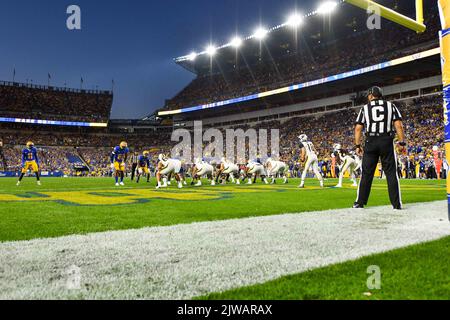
[[131, 196]]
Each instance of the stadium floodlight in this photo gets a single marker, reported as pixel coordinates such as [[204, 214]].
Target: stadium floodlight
[[236, 42], [260, 33], [295, 20], [327, 7], [192, 56], [211, 50]]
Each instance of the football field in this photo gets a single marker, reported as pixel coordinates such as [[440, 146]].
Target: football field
[[247, 242]]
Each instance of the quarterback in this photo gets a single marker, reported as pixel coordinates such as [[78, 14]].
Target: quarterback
[[30, 161], [309, 154], [118, 160]]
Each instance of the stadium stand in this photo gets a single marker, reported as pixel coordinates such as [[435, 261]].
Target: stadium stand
[[25, 101], [65, 150]]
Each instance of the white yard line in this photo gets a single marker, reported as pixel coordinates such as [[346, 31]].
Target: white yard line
[[184, 261]]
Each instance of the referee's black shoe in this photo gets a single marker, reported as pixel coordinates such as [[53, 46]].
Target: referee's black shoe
[[358, 206]]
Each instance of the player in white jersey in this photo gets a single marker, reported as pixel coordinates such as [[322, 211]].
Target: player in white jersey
[[309, 154], [227, 170], [166, 168], [181, 174], [348, 161], [202, 168], [276, 168], [254, 169]]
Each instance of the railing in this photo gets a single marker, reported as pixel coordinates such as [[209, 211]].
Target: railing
[[52, 88]]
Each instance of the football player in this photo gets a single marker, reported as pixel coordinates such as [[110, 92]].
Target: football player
[[181, 174], [143, 165], [168, 167], [30, 161], [202, 168], [227, 170], [348, 161], [309, 154], [275, 168], [254, 169], [118, 159]]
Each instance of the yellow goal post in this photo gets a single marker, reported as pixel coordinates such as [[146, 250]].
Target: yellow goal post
[[387, 13]]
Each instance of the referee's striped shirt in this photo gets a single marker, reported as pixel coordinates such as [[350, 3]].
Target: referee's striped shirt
[[378, 117], [134, 159]]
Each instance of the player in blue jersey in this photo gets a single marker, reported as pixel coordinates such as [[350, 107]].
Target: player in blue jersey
[[118, 162], [30, 161], [143, 166]]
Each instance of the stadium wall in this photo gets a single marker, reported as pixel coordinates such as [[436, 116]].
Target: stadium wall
[[47, 174], [418, 85]]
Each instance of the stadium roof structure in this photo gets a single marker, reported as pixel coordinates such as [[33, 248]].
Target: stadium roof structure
[[424, 64], [310, 30]]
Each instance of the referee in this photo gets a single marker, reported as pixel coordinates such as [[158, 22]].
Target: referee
[[382, 120], [134, 163]]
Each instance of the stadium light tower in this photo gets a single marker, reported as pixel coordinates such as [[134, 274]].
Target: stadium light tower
[[260, 33], [236, 42], [211, 50], [295, 20], [327, 7]]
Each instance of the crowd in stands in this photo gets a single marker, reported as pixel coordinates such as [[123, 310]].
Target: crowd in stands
[[51, 159], [423, 120], [47, 103], [310, 63], [87, 139]]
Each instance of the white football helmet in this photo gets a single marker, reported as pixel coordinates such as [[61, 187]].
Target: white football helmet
[[162, 157], [337, 147], [303, 138]]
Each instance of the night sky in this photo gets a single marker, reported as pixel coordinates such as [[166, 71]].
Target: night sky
[[133, 42]]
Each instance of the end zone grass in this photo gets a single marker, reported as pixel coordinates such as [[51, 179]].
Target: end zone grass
[[83, 205], [416, 272]]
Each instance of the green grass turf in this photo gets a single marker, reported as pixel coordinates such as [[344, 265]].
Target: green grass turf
[[417, 272], [40, 218]]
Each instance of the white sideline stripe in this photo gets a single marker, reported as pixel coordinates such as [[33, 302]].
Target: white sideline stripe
[[184, 261]]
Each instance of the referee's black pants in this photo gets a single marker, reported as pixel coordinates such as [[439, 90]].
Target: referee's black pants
[[133, 170], [376, 148]]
